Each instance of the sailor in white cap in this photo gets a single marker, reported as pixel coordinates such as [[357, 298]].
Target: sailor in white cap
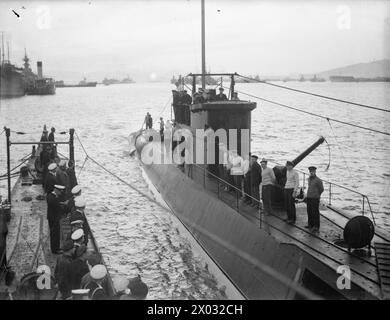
[[50, 179], [120, 284], [80, 294], [98, 274], [76, 221], [75, 192], [79, 206], [55, 209], [136, 289], [78, 237], [62, 176]]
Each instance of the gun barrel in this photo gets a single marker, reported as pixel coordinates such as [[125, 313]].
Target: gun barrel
[[305, 153]]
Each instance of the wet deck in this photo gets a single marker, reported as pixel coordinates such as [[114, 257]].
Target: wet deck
[[319, 245]]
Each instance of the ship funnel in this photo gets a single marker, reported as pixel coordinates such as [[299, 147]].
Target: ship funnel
[[39, 67]]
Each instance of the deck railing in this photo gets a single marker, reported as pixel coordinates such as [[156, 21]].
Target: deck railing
[[330, 189], [199, 173]]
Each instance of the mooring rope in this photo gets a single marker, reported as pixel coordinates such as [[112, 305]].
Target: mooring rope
[[315, 94], [312, 114]]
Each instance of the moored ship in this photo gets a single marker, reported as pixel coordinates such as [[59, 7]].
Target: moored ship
[[12, 82], [41, 85]]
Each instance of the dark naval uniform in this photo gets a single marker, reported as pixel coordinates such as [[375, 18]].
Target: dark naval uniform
[[50, 182], [54, 212], [63, 274], [314, 191], [255, 177]]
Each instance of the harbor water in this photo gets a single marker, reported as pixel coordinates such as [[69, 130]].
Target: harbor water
[[136, 236]]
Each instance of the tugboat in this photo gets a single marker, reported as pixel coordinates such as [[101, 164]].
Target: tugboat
[[41, 85], [263, 256]]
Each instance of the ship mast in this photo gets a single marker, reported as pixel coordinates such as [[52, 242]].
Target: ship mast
[[8, 51], [203, 46], [2, 47]]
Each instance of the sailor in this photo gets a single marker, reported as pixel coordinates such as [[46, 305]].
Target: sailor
[[44, 158], [161, 127], [44, 136], [268, 179], [246, 179], [51, 135], [255, 181], [148, 121], [71, 175], [62, 272], [79, 207], [55, 210], [76, 221], [92, 260], [136, 289], [314, 191], [79, 266], [221, 96], [75, 192], [50, 179], [62, 177], [98, 275], [80, 294], [235, 96], [78, 237], [198, 97], [247, 182], [237, 171], [291, 189], [186, 98]]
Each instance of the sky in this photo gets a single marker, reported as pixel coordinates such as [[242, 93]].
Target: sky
[[156, 39]]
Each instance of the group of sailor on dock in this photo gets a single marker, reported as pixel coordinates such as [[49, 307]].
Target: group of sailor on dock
[[79, 271]]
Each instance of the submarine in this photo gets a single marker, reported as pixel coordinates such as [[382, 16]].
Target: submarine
[[262, 256]]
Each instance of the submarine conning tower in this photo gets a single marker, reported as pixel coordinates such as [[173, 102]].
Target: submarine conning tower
[[204, 109]]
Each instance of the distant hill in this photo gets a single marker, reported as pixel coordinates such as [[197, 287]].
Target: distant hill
[[379, 68]]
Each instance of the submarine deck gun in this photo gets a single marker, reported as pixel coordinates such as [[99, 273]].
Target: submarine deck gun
[[280, 171]]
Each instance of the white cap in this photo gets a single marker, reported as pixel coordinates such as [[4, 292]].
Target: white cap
[[98, 272], [81, 292], [52, 166], [120, 283], [80, 202], [59, 187], [76, 189], [77, 234], [76, 222]]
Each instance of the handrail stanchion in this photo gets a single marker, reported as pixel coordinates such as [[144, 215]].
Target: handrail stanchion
[[218, 188], [8, 134], [237, 200], [372, 213], [363, 206], [330, 193]]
